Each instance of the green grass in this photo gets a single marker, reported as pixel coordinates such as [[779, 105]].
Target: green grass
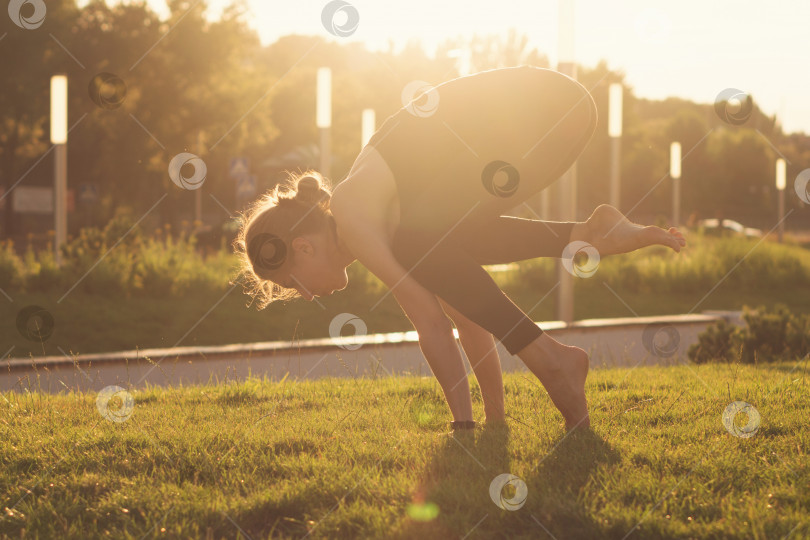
[[357, 458]]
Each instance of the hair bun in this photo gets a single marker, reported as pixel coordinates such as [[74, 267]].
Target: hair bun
[[308, 189]]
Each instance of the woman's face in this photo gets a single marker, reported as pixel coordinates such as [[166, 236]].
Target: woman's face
[[314, 268]]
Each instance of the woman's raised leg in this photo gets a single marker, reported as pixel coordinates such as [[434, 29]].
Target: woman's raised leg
[[505, 239]]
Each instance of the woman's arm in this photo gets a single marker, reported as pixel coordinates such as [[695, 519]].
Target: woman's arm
[[367, 241]]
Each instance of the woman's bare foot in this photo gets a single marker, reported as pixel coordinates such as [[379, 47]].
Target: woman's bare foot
[[562, 369], [610, 232]]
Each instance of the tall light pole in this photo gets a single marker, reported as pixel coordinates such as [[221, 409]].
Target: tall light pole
[[367, 126], [59, 135], [781, 181], [323, 114], [675, 173], [615, 134], [198, 192], [568, 182]]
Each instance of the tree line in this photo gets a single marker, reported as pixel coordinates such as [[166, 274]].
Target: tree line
[[143, 90]]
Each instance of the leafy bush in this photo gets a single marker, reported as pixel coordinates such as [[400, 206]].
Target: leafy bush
[[12, 270], [164, 266], [122, 260], [119, 260], [42, 272], [101, 261], [767, 337], [716, 344]]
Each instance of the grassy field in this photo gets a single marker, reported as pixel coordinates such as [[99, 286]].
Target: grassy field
[[364, 458]]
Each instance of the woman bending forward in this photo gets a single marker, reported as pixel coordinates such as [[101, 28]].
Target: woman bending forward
[[422, 210]]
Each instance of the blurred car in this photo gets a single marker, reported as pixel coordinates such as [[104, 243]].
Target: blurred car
[[714, 225]]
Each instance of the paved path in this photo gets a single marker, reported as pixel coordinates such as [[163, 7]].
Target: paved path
[[659, 340]]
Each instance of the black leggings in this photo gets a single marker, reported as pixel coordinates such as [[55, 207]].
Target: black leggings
[[479, 146]]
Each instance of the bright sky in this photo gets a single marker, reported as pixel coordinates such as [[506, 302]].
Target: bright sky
[[691, 48]]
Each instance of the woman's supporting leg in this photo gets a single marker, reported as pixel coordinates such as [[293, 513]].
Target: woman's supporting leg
[[444, 358], [562, 369], [479, 346], [451, 273]]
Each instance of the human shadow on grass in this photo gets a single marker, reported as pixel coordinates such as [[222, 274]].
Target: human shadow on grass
[[457, 479], [561, 475]]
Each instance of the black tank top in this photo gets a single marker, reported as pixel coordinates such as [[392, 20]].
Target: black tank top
[[439, 145]]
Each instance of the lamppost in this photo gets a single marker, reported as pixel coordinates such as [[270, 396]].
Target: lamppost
[[367, 126], [59, 140], [615, 134], [198, 192], [568, 182], [323, 116], [781, 181], [675, 173]]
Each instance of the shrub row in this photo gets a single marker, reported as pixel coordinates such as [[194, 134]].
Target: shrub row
[[121, 259], [767, 337]]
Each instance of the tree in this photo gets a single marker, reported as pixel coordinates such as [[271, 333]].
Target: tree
[[29, 58]]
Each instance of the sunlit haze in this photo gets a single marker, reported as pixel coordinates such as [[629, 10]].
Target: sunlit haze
[[691, 49]]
